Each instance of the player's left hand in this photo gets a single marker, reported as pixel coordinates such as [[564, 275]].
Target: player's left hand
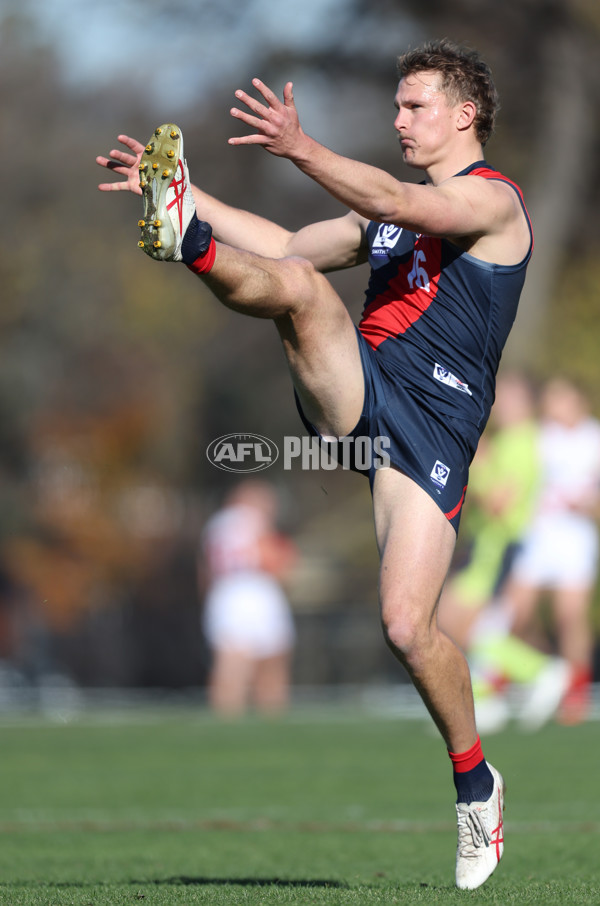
[[276, 124]]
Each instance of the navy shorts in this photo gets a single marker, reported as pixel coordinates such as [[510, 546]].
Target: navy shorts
[[432, 448]]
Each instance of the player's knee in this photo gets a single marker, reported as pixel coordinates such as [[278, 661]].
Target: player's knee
[[301, 283], [406, 632]]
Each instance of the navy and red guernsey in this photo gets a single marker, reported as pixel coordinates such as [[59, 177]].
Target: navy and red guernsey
[[437, 317], [430, 338]]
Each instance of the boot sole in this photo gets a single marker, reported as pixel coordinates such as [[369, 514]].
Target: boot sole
[[158, 166]]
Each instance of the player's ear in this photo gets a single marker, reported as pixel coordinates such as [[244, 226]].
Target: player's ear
[[467, 111]]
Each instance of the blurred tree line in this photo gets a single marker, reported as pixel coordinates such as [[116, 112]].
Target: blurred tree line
[[117, 372]]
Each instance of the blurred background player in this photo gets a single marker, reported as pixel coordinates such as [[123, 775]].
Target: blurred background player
[[247, 620], [502, 489], [560, 551], [502, 495]]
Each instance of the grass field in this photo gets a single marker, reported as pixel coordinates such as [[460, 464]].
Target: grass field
[[327, 807]]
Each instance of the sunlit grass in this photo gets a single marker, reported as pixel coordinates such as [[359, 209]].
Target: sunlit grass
[[183, 809]]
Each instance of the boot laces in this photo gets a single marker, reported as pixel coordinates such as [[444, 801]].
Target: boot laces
[[472, 833]]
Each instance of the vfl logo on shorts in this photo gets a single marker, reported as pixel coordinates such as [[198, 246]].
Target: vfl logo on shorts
[[446, 377], [439, 474], [387, 236]]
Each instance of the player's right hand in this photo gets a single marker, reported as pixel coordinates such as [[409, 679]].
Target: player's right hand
[[275, 122], [124, 163]]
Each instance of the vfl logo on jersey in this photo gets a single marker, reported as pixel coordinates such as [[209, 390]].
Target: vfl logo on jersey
[[439, 474], [387, 236], [446, 377]]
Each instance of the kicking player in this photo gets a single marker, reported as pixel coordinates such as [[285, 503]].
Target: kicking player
[[448, 260]]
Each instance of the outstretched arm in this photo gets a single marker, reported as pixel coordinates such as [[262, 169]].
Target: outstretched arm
[[369, 191], [457, 207], [329, 245]]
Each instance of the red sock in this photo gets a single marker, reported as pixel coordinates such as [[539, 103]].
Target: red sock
[[204, 262], [472, 777], [466, 761], [581, 677], [576, 701]]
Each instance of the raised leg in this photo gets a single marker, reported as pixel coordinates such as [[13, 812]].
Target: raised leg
[[318, 335]]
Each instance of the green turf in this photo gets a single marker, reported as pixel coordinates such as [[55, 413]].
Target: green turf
[[329, 808]]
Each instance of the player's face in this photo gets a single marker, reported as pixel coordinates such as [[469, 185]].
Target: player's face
[[425, 120]]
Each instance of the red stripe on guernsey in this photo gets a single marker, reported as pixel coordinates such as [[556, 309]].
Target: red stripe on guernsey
[[453, 512], [408, 295], [466, 761], [488, 173]]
